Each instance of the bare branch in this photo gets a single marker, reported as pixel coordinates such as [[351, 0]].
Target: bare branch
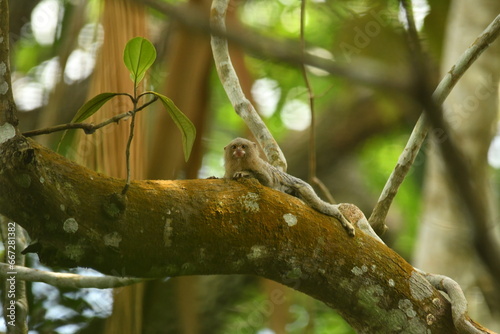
[[66, 280], [88, 128], [407, 157], [313, 179], [310, 93], [229, 80]]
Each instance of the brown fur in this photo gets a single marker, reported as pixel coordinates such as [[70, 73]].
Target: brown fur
[[241, 159]]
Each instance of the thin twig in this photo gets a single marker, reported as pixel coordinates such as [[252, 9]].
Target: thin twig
[[67, 280], [229, 80], [407, 157], [135, 99], [313, 179], [303, 69], [324, 190], [88, 128], [127, 154]]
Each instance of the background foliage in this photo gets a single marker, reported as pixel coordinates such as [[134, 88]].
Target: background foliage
[[361, 132]]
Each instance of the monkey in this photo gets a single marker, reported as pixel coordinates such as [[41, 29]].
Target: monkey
[[241, 159]]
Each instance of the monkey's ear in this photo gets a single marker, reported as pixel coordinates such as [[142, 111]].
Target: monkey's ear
[[225, 148]]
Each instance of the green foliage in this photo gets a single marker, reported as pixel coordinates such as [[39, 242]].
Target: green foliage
[[28, 56], [92, 106], [186, 127], [138, 57], [85, 111]]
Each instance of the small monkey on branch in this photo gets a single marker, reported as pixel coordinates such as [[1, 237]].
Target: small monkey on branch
[[241, 159]]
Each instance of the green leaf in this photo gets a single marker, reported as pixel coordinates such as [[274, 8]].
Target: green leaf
[[138, 57], [87, 110], [91, 106], [183, 123]]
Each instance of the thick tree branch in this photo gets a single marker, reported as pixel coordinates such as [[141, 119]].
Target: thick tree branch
[[172, 228]]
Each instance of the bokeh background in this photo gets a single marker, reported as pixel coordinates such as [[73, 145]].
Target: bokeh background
[[64, 52]]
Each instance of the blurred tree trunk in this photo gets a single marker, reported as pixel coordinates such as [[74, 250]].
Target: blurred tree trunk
[[65, 100], [445, 244], [20, 14], [104, 151], [188, 62]]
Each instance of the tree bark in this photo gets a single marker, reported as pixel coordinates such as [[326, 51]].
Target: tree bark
[[203, 227]]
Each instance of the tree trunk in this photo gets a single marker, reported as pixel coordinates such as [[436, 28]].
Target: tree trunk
[[105, 150]]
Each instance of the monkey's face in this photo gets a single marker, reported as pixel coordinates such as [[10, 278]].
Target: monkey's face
[[238, 149]]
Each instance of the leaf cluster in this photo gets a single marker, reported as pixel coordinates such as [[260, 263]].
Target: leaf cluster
[[138, 56]]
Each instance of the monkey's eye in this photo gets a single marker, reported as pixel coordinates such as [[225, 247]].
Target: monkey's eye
[[243, 146], [233, 147]]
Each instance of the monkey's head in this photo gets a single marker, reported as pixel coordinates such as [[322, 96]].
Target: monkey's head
[[240, 149]]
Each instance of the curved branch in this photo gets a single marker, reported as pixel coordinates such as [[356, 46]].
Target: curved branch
[[461, 319], [407, 157], [189, 227], [229, 80]]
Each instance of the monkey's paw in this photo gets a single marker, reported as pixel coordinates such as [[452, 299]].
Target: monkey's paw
[[241, 174]]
